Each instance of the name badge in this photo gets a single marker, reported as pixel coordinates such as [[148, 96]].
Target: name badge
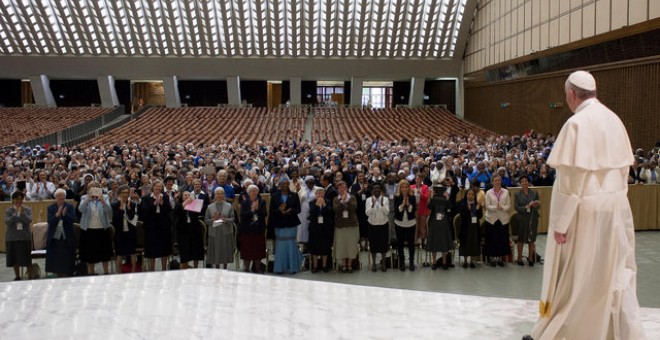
[[158, 209], [320, 220], [391, 196], [188, 219], [345, 214], [482, 185], [474, 219], [255, 218], [528, 210], [364, 197], [439, 216], [60, 223], [19, 226]]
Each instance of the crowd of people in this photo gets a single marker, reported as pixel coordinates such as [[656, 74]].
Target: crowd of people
[[330, 200]]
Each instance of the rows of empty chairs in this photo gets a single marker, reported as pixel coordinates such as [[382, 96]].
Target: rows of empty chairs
[[210, 125], [23, 124], [343, 124]]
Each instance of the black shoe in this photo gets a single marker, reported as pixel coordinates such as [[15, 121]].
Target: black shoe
[[412, 267], [314, 270], [434, 266], [326, 269], [465, 264], [527, 337], [531, 264], [445, 266], [493, 263], [402, 267], [520, 263], [472, 265], [500, 263]]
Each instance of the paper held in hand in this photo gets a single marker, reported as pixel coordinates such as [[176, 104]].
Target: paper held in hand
[[195, 206], [218, 223]]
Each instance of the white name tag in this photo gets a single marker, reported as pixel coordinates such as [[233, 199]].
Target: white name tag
[[528, 210], [439, 216], [474, 219], [320, 220], [364, 197], [158, 209], [19, 226], [255, 218], [345, 214], [391, 196], [482, 185], [60, 223]]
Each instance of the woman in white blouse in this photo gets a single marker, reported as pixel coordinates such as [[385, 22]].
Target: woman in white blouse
[[496, 243], [377, 209]]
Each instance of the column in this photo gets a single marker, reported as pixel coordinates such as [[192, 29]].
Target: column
[[171, 88], [460, 101], [43, 96], [234, 90], [356, 91], [295, 90], [416, 97], [107, 91]]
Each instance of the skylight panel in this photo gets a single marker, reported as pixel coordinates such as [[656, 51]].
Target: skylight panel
[[309, 28]]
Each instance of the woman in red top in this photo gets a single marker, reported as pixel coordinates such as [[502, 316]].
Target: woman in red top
[[421, 192]]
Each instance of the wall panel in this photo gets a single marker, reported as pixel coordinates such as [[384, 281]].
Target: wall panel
[[619, 14], [638, 11], [576, 25], [536, 25], [624, 89], [654, 9], [589, 21]]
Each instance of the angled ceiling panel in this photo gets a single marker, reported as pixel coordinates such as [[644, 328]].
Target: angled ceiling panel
[[390, 29]]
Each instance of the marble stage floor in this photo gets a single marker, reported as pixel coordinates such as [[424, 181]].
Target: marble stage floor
[[218, 304]]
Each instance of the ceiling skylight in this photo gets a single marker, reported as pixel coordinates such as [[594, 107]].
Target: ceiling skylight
[[393, 29]]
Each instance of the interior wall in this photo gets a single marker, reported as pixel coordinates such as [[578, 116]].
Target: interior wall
[[10, 93], [308, 95], [400, 93], [203, 92], [75, 92], [513, 107], [506, 29], [441, 92], [255, 92], [123, 89]]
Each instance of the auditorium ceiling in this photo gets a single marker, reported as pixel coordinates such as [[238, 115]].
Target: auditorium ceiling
[[239, 32]]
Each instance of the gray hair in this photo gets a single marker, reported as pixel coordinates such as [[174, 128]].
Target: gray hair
[[59, 191], [252, 187]]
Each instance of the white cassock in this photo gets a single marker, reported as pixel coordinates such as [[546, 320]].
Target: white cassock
[[305, 196], [589, 283]]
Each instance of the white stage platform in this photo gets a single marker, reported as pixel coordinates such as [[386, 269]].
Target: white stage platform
[[218, 304]]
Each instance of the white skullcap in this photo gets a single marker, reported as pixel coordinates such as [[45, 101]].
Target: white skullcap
[[583, 80]]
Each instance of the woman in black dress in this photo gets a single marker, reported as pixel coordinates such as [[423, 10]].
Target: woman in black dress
[[189, 232], [124, 220], [253, 230], [321, 225], [61, 244], [439, 238], [155, 211], [469, 235]]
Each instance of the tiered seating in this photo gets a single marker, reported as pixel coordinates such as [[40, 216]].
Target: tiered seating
[[210, 125], [23, 124], [343, 124]]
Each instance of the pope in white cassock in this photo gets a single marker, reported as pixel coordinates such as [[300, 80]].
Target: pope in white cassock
[[589, 278]]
